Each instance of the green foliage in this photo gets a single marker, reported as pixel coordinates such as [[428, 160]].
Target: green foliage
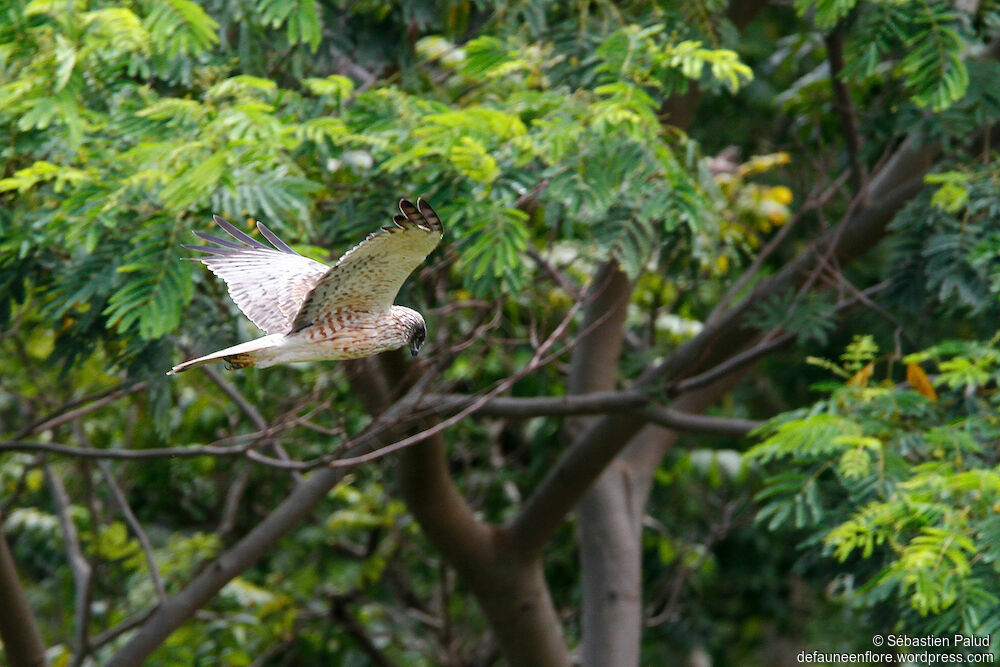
[[299, 18], [826, 13], [860, 352], [949, 254], [180, 27], [240, 145], [914, 491], [953, 194], [811, 317], [638, 54], [156, 286], [545, 134], [925, 42]]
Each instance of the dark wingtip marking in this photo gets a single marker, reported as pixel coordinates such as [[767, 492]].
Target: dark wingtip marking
[[411, 212], [421, 215], [430, 215]]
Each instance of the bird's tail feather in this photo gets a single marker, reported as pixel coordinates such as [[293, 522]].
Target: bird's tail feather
[[237, 356]]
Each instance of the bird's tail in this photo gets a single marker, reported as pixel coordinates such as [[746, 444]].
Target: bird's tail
[[238, 356]]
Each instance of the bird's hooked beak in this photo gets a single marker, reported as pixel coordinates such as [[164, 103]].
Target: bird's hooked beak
[[417, 339]]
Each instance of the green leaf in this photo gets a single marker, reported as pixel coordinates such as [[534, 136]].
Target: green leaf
[[494, 250], [195, 183], [65, 62], [154, 286], [180, 27], [471, 159], [485, 54], [827, 13]]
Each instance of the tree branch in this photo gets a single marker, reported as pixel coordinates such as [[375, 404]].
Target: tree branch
[[64, 415], [591, 404], [845, 107], [250, 411], [129, 516], [137, 529], [676, 420], [539, 406], [117, 631], [590, 453], [734, 363], [293, 509], [535, 362], [341, 613], [180, 607], [79, 565], [22, 642], [124, 454]]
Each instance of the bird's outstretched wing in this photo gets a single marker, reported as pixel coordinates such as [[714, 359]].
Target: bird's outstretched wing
[[268, 284], [370, 274]]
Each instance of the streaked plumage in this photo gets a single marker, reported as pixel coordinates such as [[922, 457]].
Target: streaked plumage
[[312, 311]]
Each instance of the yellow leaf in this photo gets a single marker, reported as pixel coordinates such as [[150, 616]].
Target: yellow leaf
[[918, 380], [861, 378], [34, 480], [781, 194]]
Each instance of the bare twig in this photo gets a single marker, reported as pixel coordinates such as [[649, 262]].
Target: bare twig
[[501, 387], [136, 527], [542, 406], [232, 503], [239, 483], [341, 613], [127, 513], [845, 107], [772, 245], [64, 415], [248, 408], [125, 454], [717, 532], [683, 421], [862, 296], [78, 564], [554, 272], [111, 634], [732, 364]]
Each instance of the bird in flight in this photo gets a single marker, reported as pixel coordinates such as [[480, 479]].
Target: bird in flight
[[312, 311]]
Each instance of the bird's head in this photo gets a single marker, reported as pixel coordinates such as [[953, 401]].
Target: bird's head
[[417, 336]]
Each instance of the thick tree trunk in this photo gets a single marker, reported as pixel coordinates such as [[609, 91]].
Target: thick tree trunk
[[508, 585], [514, 596], [22, 642], [609, 555], [510, 590], [610, 514], [602, 438], [611, 571]]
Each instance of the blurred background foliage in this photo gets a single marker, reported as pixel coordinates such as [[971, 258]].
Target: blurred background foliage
[[543, 134]]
